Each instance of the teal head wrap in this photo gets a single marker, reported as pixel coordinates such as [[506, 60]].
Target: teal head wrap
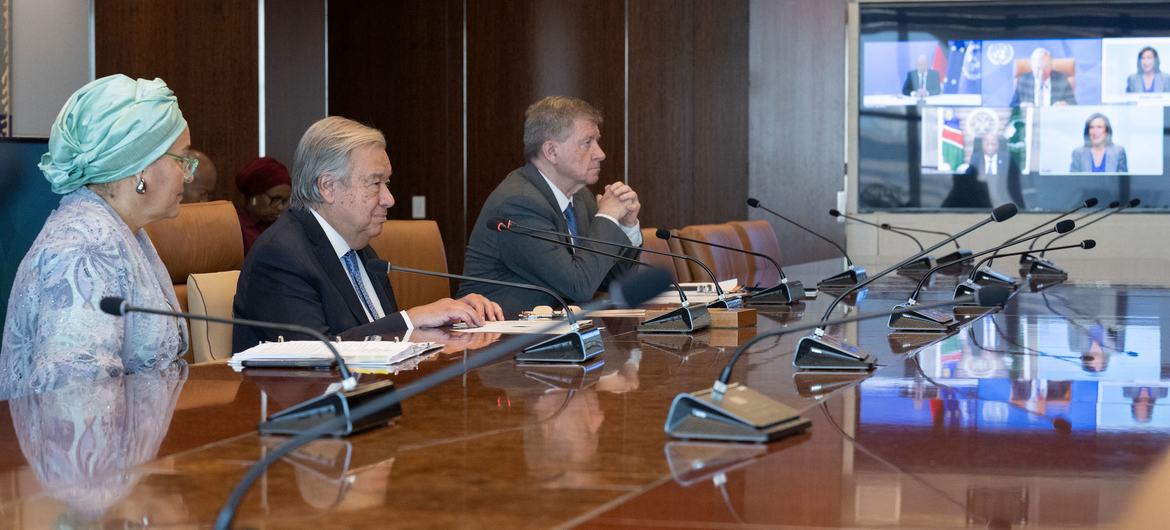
[[110, 129]]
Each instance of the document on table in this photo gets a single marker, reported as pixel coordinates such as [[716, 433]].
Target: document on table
[[355, 353], [541, 326], [696, 292]]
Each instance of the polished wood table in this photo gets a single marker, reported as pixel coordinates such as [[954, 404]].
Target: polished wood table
[[1049, 413]]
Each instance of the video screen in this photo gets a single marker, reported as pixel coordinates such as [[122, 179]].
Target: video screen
[[1040, 105]]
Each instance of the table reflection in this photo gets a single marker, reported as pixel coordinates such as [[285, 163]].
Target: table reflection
[[84, 441]]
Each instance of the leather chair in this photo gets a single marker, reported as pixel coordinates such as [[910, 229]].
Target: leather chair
[[1066, 66], [725, 264], [678, 268], [418, 245], [758, 236], [211, 294], [205, 237]]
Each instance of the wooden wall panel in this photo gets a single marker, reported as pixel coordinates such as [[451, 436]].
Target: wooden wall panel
[[206, 52], [522, 50], [797, 124], [397, 66]]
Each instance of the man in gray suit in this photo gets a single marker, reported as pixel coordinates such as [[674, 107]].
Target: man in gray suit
[[561, 136], [1043, 87]]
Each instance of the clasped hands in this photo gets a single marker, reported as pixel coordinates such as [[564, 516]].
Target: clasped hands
[[620, 202]]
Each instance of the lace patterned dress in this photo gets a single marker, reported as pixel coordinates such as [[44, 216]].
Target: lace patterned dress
[[56, 334]]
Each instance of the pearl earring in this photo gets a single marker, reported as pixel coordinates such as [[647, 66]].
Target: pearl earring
[[141, 187]]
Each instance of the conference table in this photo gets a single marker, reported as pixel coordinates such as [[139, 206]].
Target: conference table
[[1051, 412]]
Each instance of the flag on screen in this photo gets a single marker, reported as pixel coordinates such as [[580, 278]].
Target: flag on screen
[[963, 68], [950, 139]]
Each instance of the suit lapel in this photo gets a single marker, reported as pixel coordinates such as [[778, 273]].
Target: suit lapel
[[381, 283], [533, 175], [327, 259]]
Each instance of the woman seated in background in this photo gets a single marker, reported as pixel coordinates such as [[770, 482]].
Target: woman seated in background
[[119, 156], [1099, 154], [266, 186]]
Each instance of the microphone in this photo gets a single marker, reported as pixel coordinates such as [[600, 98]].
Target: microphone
[[1113, 204], [852, 274], [968, 286], [934, 321], [784, 292], [735, 412], [332, 408], [924, 263], [578, 345], [1042, 267], [629, 291], [819, 351], [960, 254], [1088, 203], [686, 318]]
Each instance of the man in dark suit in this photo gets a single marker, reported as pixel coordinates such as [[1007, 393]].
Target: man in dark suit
[[922, 81], [1043, 87], [995, 167], [561, 137], [309, 267]]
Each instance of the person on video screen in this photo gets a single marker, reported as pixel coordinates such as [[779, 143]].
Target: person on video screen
[[1099, 154], [922, 81], [1043, 87], [1149, 76]]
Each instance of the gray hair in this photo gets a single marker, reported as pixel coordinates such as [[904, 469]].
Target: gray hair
[[326, 148], [552, 119]]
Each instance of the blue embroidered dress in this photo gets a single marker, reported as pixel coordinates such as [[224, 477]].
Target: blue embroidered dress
[[56, 334]]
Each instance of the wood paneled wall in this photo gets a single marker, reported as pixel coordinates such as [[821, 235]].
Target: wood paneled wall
[[206, 52]]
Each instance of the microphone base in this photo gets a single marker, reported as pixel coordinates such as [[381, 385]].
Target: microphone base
[[818, 384], [740, 415], [572, 347], [990, 277], [849, 278], [684, 319], [824, 352], [921, 320], [304, 416], [923, 264], [783, 294], [730, 302], [968, 287], [959, 257], [1037, 266]]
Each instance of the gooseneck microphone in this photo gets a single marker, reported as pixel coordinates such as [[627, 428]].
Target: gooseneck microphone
[[852, 275], [968, 286], [1103, 209], [884, 226], [784, 292], [308, 414], [818, 351], [737, 413], [683, 319], [579, 344], [628, 291], [1131, 204], [888, 226], [1089, 203]]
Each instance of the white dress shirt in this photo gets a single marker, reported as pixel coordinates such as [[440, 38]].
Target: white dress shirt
[[633, 233]]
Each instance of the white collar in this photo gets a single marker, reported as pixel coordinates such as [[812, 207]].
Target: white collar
[[339, 245], [563, 201]]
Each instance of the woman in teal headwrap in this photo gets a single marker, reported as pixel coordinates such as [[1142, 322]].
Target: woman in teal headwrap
[[118, 155]]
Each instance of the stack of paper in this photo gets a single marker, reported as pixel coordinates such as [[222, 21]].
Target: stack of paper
[[355, 353]]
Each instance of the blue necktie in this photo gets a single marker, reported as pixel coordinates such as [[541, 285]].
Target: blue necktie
[[351, 266], [571, 219]]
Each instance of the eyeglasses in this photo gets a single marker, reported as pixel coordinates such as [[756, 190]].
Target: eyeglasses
[[190, 164]]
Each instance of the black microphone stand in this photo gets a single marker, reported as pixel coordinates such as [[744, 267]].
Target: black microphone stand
[[925, 262], [783, 293], [853, 275]]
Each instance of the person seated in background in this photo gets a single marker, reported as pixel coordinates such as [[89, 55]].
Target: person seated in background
[[1043, 87], [119, 156], [562, 145], [997, 171], [1149, 76], [203, 186], [1099, 154], [922, 81], [266, 187], [309, 267]]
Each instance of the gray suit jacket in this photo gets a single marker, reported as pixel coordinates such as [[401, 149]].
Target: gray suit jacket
[[525, 198], [1115, 162], [1059, 90], [1134, 83]]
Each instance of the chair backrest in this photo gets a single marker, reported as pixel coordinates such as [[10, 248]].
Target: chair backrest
[[678, 268], [205, 237], [211, 294], [1066, 66], [417, 245], [758, 236], [724, 263]]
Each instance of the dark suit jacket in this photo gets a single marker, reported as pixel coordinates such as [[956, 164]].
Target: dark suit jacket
[[525, 198], [292, 275], [1060, 87], [933, 83], [1005, 168]]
